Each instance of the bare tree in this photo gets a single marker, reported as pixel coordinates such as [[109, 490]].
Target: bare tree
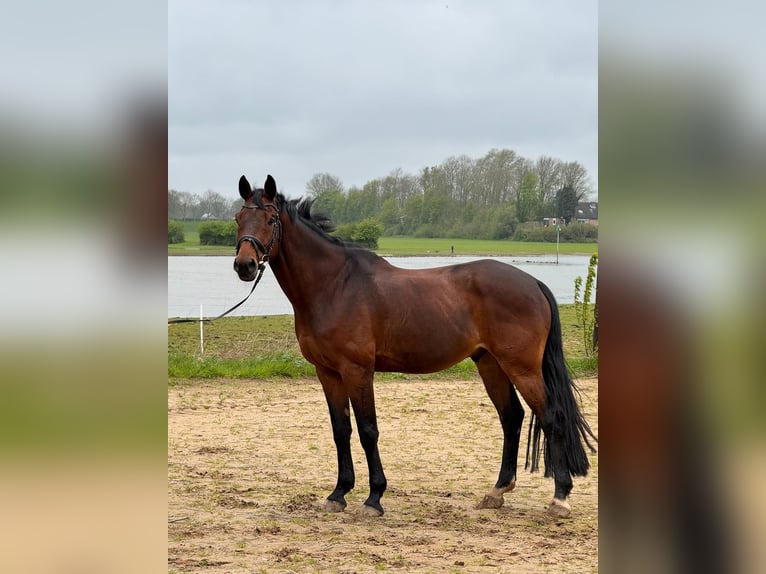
[[459, 172], [548, 171], [399, 185], [187, 204], [498, 177], [175, 210], [214, 205], [575, 176], [323, 182], [234, 206]]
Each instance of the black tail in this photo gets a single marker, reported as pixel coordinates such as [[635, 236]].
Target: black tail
[[562, 413]]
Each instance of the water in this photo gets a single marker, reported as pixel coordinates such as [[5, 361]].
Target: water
[[211, 282]]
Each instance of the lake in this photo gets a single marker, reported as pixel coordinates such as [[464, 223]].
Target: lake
[[211, 282]]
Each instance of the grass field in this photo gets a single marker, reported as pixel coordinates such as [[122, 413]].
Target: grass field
[[409, 246], [436, 246], [194, 248], [266, 347]]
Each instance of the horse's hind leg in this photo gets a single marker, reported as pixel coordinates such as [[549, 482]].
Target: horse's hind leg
[[511, 413], [532, 389]]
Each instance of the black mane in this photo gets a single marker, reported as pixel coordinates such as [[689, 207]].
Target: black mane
[[302, 210], [320, 223]]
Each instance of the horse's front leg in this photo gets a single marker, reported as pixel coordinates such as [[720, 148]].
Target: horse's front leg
[[359, 385], [340, 418]]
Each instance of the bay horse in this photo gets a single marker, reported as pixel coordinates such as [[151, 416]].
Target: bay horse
[[356, 314]]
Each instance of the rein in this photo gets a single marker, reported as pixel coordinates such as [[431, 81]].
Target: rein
[[266, 250]]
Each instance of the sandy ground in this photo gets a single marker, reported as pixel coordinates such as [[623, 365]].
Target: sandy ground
[[250, 463]]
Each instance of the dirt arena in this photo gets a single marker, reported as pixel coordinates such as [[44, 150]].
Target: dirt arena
[[250, 463]]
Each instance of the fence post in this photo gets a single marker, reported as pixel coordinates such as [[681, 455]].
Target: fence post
[[201, 333]]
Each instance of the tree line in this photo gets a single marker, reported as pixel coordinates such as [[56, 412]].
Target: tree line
[[496, 196], [183, 205]]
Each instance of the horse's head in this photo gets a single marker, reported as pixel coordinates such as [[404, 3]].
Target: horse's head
[[258, 228]]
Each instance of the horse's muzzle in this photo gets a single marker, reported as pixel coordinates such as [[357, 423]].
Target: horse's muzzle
[[245, 267]]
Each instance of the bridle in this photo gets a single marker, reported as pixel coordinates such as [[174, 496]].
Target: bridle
[[256, 243]]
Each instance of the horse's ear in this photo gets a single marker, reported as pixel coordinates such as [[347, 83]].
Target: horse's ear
[[244, 188], [270, 188]]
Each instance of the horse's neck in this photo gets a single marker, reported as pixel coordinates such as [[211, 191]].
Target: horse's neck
[[306, 264]]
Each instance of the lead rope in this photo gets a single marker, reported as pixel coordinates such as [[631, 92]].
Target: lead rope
[[261, 269]]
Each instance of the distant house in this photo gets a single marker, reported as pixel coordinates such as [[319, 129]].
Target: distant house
[[587, 212], [551, 221]]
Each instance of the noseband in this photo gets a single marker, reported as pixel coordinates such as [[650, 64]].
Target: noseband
[[256, 243]]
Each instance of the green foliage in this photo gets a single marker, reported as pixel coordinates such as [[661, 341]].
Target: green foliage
[[528, 201], [427, 231], [573, 233], [544, 234], [365, 233], [579, 232], [411, 214], [390, 214], [566, 201], [585, 311], [362, 203], [502, 222], [345, 232], [175, 232], [462, 197], [331, 203], [218, 233]]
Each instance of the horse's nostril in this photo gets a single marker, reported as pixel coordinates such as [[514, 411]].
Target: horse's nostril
[[248, 265]]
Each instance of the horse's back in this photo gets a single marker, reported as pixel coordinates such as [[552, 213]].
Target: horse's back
[[497, 281]]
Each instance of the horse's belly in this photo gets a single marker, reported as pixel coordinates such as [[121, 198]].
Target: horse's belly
[[423, 358]]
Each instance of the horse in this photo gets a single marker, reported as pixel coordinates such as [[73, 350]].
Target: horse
[[356, 313]]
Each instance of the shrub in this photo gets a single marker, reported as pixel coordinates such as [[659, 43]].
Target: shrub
[[572, 233], [502, 223], [345, 231], [579, 232], [587, 314], [175, 232], [218, 233], [546, 234], [365, 232]]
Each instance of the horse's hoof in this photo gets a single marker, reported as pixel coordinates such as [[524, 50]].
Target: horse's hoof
[[333, 506], [370, 511], [559, 508], [490, 501]]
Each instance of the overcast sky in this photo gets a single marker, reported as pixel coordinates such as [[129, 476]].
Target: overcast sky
[[359, 88]]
